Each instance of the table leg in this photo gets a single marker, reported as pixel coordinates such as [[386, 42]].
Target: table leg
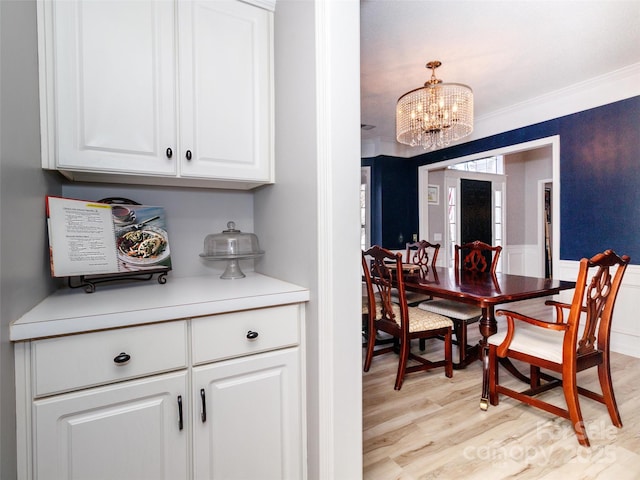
[[488, 326]]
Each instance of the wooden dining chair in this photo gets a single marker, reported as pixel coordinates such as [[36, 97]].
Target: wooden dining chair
[[423, 255], [402, 322], [565, 347], [378, 338], [473, 257]]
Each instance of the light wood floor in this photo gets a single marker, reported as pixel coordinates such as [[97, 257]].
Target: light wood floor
[[434, 429]]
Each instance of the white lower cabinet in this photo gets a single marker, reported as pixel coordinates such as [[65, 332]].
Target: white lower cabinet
[[214, 397], [247, 423], [130, 431]]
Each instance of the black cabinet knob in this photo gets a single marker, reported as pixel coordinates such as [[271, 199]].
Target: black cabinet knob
[[122, 358], [252, 335], [188, 154], [169, 152]]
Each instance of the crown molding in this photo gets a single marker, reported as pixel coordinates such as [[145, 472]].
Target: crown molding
[[595, 92]]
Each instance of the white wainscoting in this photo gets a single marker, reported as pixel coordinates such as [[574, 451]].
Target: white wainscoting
[[625, 328], [522, 260]]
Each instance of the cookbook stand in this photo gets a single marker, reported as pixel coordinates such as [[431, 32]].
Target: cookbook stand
[[89, 282]]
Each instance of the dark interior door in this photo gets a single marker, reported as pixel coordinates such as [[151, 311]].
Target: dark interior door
[[475, 212]]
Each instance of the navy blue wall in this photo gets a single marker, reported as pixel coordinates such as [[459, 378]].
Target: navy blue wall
[[599, 179], [394, 200]]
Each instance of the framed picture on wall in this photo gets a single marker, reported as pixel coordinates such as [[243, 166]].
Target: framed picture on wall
[[433, 194]]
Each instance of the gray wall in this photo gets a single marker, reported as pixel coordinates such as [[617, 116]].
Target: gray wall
[[192, 214], [437, 218], [295, 192], [524, 170], [309, 219], [24, 257], [515, 169], [24, 264]]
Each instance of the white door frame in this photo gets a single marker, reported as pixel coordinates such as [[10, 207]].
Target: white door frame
[[541, 213], [365, 179]]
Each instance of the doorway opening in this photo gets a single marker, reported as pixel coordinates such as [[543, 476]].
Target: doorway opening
[[529, 227], [474, 211]]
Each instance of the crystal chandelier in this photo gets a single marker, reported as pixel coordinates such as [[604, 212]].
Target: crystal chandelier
[[434, 115]]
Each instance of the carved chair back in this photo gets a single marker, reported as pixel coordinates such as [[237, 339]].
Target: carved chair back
[[382, 284], [597, 286], [478, 257], [418, 253]]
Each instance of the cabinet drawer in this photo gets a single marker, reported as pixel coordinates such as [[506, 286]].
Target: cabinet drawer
[[217, 337], [77, 361]]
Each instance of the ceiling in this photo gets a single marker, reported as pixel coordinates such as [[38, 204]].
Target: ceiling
[[508, 52]]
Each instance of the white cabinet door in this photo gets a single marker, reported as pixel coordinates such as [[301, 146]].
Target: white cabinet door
[[114, 84], [125, 431], [225, 90], [247, 415]]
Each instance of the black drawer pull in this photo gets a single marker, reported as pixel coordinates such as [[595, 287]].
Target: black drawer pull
[[251, 335], [122, 358], [188, 155], [169, 152], [203, 414]]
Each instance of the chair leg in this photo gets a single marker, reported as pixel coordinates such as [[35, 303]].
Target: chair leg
[[448, 368], [461, 336], [423, 344], [371, 343], [604, 375], [493, 376], [405, 345], [570, 388], [534, 375]]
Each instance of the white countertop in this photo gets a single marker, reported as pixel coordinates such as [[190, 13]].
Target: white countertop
[[70, 311]]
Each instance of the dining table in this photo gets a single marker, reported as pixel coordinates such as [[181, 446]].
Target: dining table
[[486, 291]]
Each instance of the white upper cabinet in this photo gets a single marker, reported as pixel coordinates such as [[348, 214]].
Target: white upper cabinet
[[157, 92], [225, 90], [114, 100]]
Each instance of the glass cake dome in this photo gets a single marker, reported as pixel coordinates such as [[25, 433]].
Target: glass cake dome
[[231, 245]]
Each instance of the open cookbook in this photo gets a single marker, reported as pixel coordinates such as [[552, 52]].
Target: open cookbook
[[92, 238]]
